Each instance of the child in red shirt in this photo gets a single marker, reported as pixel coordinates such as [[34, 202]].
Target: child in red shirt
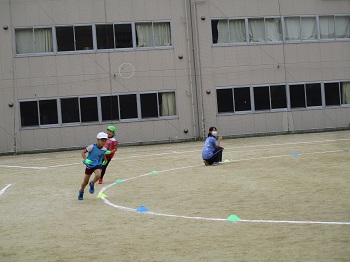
[[111, 146]]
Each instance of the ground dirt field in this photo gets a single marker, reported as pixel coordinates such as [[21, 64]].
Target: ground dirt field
[[289, 193]]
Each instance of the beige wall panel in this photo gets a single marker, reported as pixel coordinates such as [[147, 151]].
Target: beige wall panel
[[291, 53], [239, 8], [59, 13], [37, 87], [327, 70], [21, 67], [41, 138], [292, 75], [142, 61], [260, 123], [63, 65], [32, 13], [242, 55], [248, 124], [72, 11], [164, 9], [134, 131], [26, 140], [158, 130], [49, 66], [103, 84], [151, 10], [90, 85], [35, 67], [68, 137], [18, 13], [342, 117], [326, 52], [102, 63], [236, 125], [168, 59], [314, 53], [218, 57], [304, 72], [287, 7], [244, 75], [155, 81], [83, 137], [223, 126], [85, 11], [296, 120], [54, 138], [329, 7], [78, 85], [307, 119], [64, 85], [76, 65], [340, 72], [89, 64], [46, 16], [274, 122], [316, 72], [318, 119], [98, 13], [147, 132], [337, 54], [255, 56], [330, 118], [50, 87], [138, 10], [154, 60]]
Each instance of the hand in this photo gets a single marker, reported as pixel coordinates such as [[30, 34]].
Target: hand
[[88, 161], [108, 152], [104, 162]]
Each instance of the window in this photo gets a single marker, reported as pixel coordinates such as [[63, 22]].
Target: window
[[297, 96], [256, 30], [224, 99], [273, 28], [33, 40], [313, 94], [123, 36], [228, 31], [308, 28], [342, 26], [48, 112], [149, 105], [300, 28], [70, 110], [242, 99], [345, 93], [261, 98], [153, 34], [29, 113], [74, 38], [110, 108], [128, 106], [332, 95], [327, 27], [105, 36], [167, 103], [88, 109], [278, 97]]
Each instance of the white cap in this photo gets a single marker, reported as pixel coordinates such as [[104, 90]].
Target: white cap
[[102, 135]]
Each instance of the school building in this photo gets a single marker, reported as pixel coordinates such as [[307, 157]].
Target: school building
[[167, 70]]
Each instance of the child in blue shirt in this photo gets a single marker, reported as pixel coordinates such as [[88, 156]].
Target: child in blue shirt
[[93, 161], [212, 151]]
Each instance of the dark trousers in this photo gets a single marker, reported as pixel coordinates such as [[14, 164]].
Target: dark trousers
[[217, 156], [104, 167]]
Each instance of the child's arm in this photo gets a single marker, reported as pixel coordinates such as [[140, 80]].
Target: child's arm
[[83, 153]]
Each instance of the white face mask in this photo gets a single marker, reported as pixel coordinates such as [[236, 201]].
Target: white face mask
[[214, 133]]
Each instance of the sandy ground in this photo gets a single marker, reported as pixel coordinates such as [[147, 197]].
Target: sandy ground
[[291, 194]]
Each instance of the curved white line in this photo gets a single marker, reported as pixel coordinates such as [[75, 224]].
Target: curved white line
[[3, 190]]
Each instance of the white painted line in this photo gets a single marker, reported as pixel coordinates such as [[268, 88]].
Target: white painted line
[[3, 190], [24, 167], [128, 209]]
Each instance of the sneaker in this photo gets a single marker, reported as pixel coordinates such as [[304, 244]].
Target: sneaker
[[215, 163], [81, 195], [92, 187], [100, 181], [206, 162]]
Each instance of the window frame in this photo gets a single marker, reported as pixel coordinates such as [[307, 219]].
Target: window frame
[[153, 35]]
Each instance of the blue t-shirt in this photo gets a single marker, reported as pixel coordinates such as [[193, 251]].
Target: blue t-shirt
[[209, 147]]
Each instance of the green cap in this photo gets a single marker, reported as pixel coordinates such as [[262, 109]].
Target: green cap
[[111, 128]]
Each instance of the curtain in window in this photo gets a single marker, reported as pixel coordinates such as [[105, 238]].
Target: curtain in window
[[24, 41], [273, 29], [223, 32], [162, 34], [308, 28], [237, 31], [144, 35], [327, 27], [168, 104], [342, 26], [345, 93], [292, 28], [43, 40], [256, 30]]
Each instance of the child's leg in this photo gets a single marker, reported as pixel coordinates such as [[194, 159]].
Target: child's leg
[[97, 175], [104, 169], [85, 182]]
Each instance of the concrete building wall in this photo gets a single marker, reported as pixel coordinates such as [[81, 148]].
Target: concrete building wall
[[204, 67]]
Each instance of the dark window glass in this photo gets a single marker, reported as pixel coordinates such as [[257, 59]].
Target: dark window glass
[[65, 38], [297, 96], [278, 97], [261, 98], [149, 105], [224, 101], [109, 105], [88, 109], [105, 36], [214, 30], [70, 110], [242, 99], [128, 106], [48, 112], [83, 37], [332, 95], [313, 94], [29, 113], [123, 35]]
